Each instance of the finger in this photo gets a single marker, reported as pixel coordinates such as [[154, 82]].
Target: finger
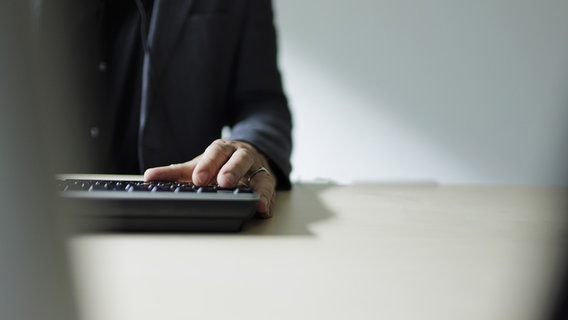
[[173, 172], [240, 162], [211, 161], [264, 184]]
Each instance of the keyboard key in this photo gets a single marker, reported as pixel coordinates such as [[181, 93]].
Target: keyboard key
[[120, 186], [207, 189], [165, 187], [143, 187], [101, 186], [78, 186], [186, 188], [243, 190]]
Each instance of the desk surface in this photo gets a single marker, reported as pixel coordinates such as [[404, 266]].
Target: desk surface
[[341, 252]]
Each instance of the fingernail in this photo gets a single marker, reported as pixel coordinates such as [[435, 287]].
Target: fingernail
[[148, 173], [266, 203], [230, 178]]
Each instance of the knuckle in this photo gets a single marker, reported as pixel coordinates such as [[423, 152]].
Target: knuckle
[[246, 153], [219, 148], [219, 142]]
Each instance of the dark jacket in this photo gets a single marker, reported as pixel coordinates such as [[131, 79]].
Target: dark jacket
[[209, 64]]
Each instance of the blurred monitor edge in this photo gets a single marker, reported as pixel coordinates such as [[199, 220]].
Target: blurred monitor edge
[[34, 269]]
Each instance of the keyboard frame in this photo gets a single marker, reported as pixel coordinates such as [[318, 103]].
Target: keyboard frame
[[155, 211]]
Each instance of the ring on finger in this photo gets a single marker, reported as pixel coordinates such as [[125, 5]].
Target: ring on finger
[[257, 171]]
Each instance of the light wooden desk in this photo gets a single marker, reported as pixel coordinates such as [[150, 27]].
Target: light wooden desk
[[341, 252]]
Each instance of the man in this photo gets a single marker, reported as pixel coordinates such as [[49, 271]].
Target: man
[[162, 78]]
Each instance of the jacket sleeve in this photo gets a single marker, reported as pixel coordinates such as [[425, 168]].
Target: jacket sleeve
[[259, 112]]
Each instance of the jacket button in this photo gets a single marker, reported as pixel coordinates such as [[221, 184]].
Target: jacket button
[[94, 132], [102, 66]]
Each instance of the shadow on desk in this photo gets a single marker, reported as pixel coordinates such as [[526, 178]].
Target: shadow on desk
[[295, 211]]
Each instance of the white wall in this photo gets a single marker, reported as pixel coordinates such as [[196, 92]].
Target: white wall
[[447, 91]]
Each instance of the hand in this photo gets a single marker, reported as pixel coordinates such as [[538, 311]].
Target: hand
[[229, 164]]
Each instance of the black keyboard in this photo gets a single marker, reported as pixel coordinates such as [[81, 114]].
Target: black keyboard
[[120, 205]]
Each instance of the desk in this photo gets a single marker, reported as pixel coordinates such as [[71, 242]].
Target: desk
[[341, 252]]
